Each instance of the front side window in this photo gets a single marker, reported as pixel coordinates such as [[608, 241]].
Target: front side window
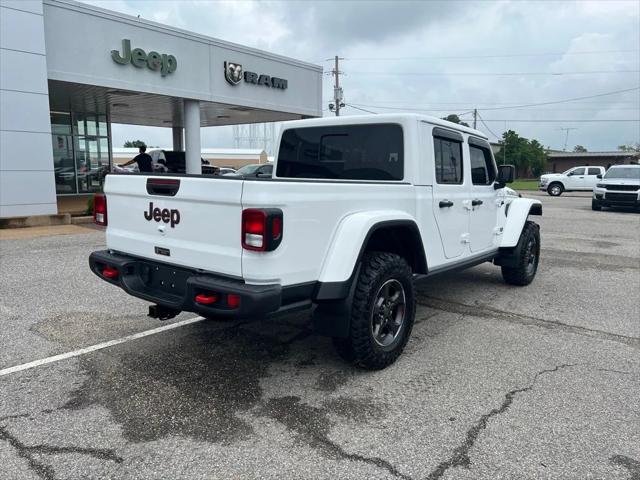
[[346, 152], [594, 171], [482, 169], [448, 160], [578, 171]]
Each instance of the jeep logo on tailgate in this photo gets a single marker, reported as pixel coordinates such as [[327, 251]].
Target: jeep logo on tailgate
[[167, 216]]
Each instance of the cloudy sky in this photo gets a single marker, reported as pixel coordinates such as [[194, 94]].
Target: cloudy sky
[[445, 57]]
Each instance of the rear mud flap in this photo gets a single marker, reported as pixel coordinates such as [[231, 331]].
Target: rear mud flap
[[333, 319]]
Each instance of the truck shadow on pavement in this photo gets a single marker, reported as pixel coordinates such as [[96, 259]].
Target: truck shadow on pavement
[[205, 382]]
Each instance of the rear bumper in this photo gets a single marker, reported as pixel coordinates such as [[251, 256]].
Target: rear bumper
[[176, 287]]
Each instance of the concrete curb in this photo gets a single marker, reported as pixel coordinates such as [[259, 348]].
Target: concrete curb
[[82, 220], [36, 221]]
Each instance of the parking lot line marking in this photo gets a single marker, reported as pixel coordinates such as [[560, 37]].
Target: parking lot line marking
[[98, 346]]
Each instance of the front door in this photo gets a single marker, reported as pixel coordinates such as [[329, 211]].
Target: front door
[[575, 179], [450, 194], [484, 209]]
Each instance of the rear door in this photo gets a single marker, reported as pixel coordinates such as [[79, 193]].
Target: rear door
[[188, 221], [484, 209], [592, 177], [450, 192]]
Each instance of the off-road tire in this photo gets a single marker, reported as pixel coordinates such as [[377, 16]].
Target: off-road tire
[[525, 271], [360, 347], [551, 190], [595, 205]]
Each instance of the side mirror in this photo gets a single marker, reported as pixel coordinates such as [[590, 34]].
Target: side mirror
[[506, 174], [599, 176]]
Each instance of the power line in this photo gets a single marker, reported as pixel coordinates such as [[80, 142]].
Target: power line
[[491, 74], [487, 126], [361, 109], [505, 55], [524, 105]]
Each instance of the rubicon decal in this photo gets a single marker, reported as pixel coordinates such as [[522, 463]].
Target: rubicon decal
[[165, 215]]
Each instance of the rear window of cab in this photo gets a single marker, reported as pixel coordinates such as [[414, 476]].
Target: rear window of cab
[[343, 152]]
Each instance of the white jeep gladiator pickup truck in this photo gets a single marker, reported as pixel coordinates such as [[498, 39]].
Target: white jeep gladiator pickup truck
[[575, 179], [358, 208]]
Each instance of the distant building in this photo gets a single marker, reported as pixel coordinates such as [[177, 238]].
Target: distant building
[[560, 161]]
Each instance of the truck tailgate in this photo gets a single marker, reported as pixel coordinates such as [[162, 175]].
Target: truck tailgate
[[196, 226]]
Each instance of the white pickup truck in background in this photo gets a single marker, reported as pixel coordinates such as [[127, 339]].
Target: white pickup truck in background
[[574, 179], [620, 187], [358, 209]]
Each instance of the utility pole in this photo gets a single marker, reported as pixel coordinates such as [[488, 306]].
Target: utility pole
[[337, 90], [475, 117], [566, 138]]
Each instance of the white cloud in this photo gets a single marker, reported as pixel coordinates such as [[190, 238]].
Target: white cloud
[[318, 30]]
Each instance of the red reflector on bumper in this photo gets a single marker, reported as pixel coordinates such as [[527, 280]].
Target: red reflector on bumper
[[110, 272], [206, 299], [233, 300]]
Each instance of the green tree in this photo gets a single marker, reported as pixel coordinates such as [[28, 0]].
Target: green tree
[[630, 147], [537, 158], [527, 156], [455, 119], [579, 149], [134, 144]]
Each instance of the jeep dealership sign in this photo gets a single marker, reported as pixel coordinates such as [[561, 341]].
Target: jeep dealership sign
[[233, 73], [165, 63]]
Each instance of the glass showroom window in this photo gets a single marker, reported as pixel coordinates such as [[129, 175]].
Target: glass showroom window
[[63, 162], [92, 151], [80, 151]]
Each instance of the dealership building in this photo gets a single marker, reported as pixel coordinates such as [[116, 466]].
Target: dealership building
[[68, 70]]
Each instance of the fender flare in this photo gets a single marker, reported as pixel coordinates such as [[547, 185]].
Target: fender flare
[[348, 246], [517, 213]]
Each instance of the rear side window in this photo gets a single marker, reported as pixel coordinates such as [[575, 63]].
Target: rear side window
[[482, 171], [448, 160], [346, 152], [594, 171]]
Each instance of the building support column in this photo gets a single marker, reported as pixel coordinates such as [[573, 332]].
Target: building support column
[[178, 144], [192, 136]]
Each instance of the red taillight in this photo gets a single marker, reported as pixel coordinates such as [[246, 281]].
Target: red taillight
[[276, 228], [261, 229], [206, 299], [100, 210], [109, 272], [233, 300]]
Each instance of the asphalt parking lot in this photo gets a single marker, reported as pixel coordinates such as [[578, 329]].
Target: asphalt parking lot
[[496, 382]]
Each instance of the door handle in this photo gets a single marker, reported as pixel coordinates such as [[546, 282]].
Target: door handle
[[475, 202], [445, 203]]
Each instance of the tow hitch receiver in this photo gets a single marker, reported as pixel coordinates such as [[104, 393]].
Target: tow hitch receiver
[[162, 313]]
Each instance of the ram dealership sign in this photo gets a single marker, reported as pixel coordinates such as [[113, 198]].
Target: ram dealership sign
[[233, 73], [164, 63]]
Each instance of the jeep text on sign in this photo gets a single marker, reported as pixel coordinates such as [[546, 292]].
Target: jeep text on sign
[[165, 63]]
